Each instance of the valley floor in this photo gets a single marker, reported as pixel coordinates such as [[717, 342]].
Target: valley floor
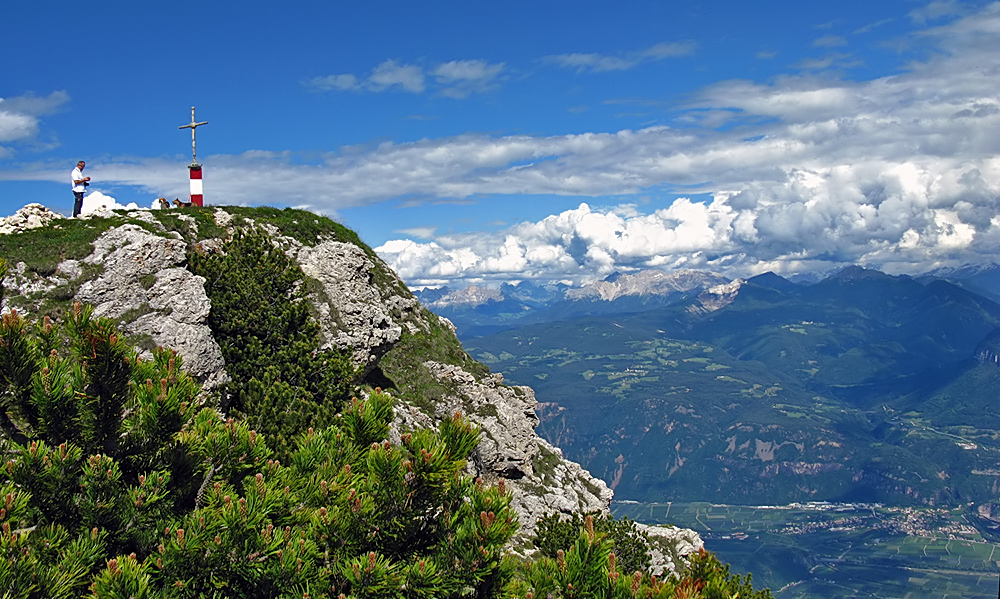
[[839, 551]]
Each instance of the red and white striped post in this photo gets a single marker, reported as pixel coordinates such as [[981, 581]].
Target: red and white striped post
[[197, 192], [197, 195]]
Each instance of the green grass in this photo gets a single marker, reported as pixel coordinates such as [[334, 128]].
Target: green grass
[[44, 248], [403, 370]]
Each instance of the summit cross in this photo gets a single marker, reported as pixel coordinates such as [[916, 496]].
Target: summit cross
[[192, 126]]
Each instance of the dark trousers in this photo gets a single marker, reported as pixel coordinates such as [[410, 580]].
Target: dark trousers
[[78, 203]]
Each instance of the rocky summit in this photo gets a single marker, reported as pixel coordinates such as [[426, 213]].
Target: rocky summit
[[132, 266]]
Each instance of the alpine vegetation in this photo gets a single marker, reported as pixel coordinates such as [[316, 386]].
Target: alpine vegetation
[[247, 403]]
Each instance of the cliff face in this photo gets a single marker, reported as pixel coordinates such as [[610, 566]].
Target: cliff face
[[134, 272]]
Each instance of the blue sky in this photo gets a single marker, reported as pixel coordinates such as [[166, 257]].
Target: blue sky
[[550, 140]]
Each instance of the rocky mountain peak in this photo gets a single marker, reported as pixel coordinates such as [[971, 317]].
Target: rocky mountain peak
[[646, 282], [471, 296], [135, 270]]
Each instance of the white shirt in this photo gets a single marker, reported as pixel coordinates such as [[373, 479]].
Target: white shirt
[[77, 176]]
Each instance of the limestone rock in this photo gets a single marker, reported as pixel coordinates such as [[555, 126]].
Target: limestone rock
[[144, 284], [670, 546], [506, 416], [31, 216], [352, 315], [541, 480], [557, 484]]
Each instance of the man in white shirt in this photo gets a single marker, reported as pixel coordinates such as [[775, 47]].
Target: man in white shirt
[[80, 184]]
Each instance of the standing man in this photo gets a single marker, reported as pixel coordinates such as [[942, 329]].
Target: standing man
[[80, 184]]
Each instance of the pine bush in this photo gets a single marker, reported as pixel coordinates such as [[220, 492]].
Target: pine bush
[[554, 532], [281, 384], [145, 494], [590, 568]]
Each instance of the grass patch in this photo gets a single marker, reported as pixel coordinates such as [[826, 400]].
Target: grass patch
[[403, 367], [202, 227], [135, 313], [544, 464], [44, 248]]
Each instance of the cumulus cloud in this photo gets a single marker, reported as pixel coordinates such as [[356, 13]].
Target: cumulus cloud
[[97, 201], [455, 79], [892, 216], [20, 116], [601, 63]]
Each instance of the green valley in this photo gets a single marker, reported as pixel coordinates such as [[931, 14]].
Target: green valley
[[842, 550], [861, 388]]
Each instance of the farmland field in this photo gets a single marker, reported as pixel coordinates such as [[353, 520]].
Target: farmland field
[[841, 550]]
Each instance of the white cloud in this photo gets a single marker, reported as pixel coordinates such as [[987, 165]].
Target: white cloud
[[829, 41], [96, 201], [594, 62], [888, 215], [669, 50], [455, 79], [419, 232], [20, 115], [938, 9], [37, 106], [837, 59], [390, 74], [335, 82], [467, 70], [600, 63], [872, 26], [460, 78], [16, 126]]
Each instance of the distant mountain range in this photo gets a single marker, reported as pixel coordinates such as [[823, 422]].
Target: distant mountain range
[[484, 310], [689, 386]]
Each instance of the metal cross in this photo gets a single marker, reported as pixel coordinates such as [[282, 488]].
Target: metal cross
[[192, 125]]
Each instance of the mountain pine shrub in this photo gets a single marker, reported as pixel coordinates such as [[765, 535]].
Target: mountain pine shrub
[[115, 483], [554, 533], [281, 384], [590, 568]]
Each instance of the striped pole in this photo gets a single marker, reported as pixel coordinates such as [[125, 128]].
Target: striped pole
[[197, 197], [197, 194]]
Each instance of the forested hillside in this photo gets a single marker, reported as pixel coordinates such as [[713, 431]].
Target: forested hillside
[[862, 387]]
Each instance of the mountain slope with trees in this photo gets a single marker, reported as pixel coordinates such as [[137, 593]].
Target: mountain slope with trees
[[862, 387], [130, 472]]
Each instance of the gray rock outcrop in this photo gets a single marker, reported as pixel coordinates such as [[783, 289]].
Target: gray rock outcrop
[[143, 283], [670, 546], [352, 313], [31, 216], [541, 480]]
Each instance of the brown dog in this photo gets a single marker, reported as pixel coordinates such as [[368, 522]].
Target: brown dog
[[181, 204], [164, 204]]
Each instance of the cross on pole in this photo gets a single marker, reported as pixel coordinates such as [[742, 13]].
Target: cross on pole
[[192, 126]]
